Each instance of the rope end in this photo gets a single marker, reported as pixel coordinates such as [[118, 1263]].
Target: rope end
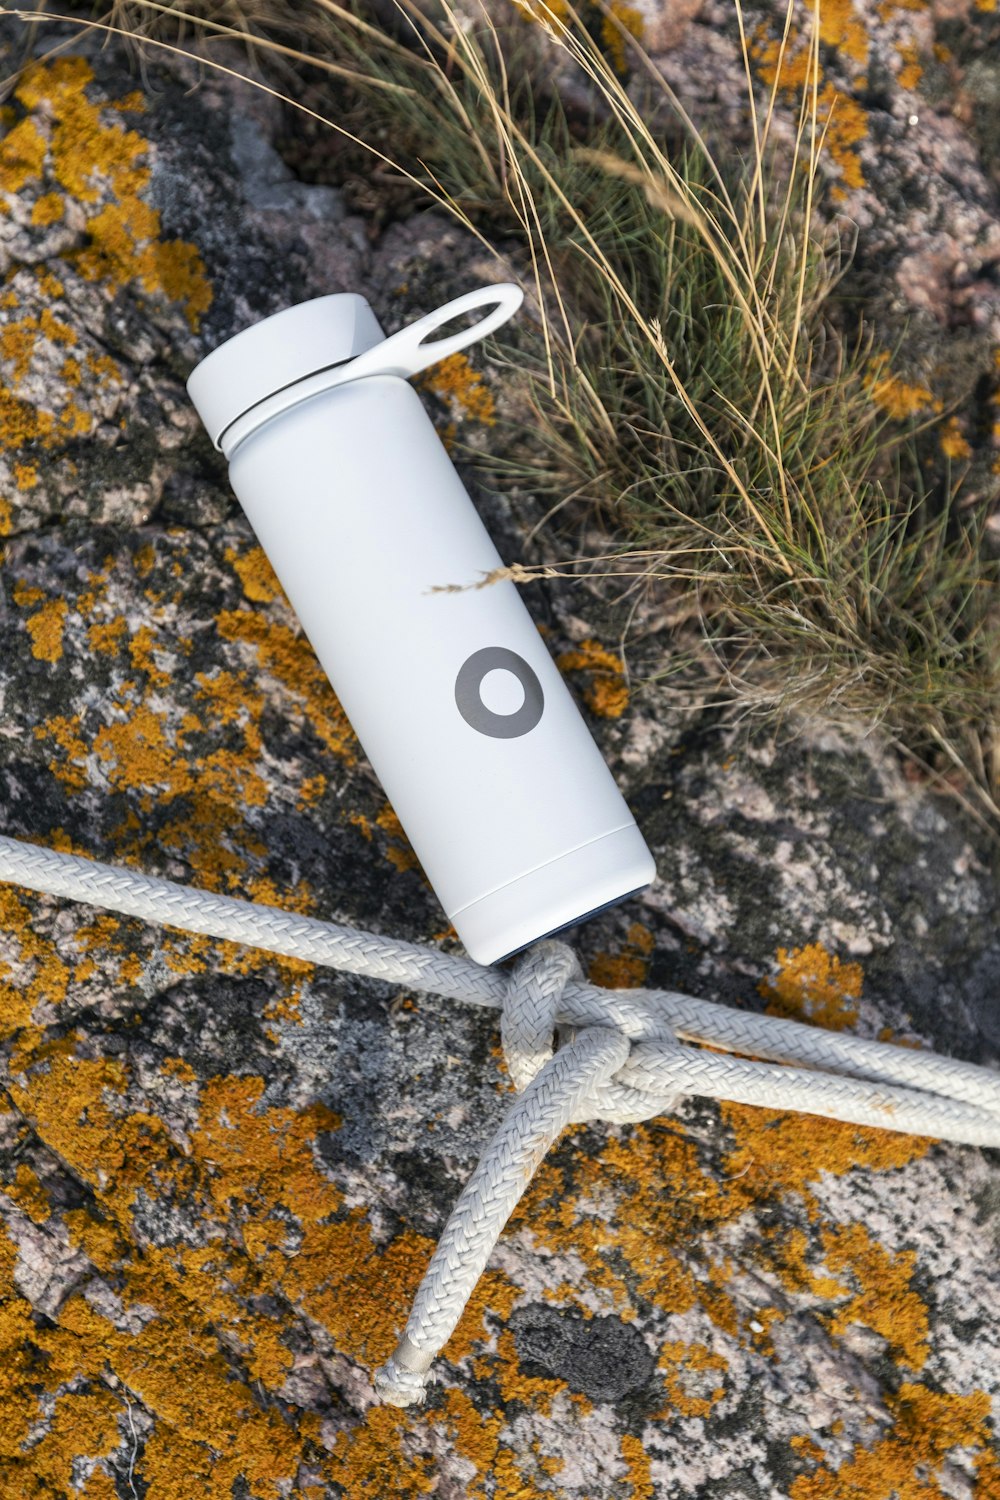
[[402, 1380], [398, 1387]]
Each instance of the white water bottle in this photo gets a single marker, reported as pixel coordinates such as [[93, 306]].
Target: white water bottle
[[476, 739]]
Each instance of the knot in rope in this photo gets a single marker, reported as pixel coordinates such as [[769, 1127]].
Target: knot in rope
[[528, 1034], [564, 1074], [576, 1052]]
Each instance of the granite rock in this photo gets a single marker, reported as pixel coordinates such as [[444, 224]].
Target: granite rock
[[222, 1174]]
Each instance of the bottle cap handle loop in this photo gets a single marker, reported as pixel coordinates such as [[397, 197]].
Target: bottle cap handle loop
[[413, 348], [405, 353]]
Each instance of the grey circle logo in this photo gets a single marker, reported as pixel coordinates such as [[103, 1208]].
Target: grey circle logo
[[468, 695]]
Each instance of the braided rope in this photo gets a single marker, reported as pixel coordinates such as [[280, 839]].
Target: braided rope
[[625, 1055]]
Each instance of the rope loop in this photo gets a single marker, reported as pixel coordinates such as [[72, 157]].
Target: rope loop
[[528, 1019], [528, 1034]]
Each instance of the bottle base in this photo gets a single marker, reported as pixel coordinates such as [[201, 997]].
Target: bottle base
[[556, 895], [573, 922]]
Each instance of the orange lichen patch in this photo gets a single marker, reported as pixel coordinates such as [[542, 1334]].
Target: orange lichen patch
[[777, 1152], [927, 1426], [21, 423], [398, 851], [805, 1446], [28, 1193], [911, 72], [258, 1157], [141, 748], [663, 1202], [953, 442], [473, 1434], [54, 328], [875, 1282], [106, 638], [136, 753], [360, 821], [841, 27], [70, 767], [813, 985], [22, 156], [606, 22], [544, 10], [227, 697], [99, 1240], [255, 573], [381, 1457], [73, 421], [17, 344], [49, 285], [618, 18], [606, 692], [884, 1300], [142, 647], [627, 969], [462, 388], [25, 476], [92, 597], [246, 1163], [897, 397], [26, 594], [841, 121], [790, 1251], [692, 1378], [144, 560], [46, 630], [72, 141], [6, 518], [289, 658], [311, 790], [48, 209], [176, 1067], [637, 1470]]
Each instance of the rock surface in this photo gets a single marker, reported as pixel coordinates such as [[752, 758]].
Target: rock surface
[[222, 1174]]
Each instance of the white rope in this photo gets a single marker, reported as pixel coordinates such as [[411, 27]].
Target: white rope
[[623, 1056]]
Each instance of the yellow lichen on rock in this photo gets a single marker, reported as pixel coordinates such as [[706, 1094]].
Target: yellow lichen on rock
[[954, 444], [462, 388], [287, 655], [46, 630], [260, 583], [813, 985], [927, 1426], [899, 398], [627, 969], [606, 691], [884, 1299], [693, 1378], [607, 22], [788, 69], [637, 1468], [398, 850], [91, 156], [618, 21]]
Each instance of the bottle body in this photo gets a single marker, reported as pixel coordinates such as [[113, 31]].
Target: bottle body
[[466, 720]]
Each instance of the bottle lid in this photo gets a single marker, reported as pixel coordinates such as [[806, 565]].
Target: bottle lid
[[277, 352]]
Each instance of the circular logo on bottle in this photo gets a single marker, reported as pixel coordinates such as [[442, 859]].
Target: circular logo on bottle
[[501, 725]]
